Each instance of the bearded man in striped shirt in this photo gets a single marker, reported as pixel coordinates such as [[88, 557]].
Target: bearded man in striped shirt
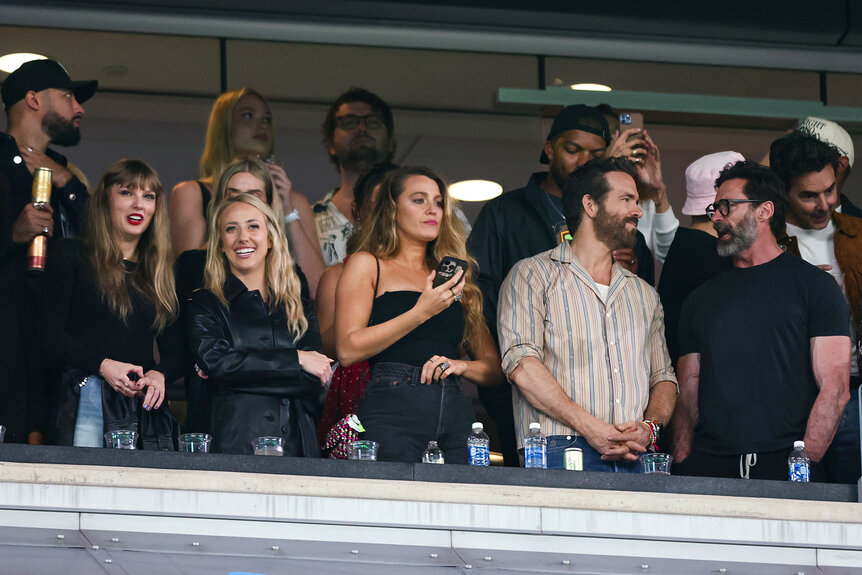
[[582, 338]]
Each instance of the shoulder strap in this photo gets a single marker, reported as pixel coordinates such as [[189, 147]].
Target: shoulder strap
[[377, 283]]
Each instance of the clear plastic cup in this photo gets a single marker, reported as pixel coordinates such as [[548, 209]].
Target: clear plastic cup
[[268, 445], [363, 450], [2, 433], [122, 439], [195, 442], [657, 463]]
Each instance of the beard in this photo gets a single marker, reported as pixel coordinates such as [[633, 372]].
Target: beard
[[361, 158], [61, 131], [742, 236], [612, 231]]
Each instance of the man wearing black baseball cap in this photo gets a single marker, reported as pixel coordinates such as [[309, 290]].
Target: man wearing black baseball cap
[[528, 221], [43, 107]]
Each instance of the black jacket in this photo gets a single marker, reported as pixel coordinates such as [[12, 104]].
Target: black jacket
[[515, 226], [251, 361]]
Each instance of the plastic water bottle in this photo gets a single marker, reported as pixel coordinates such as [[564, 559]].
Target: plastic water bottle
[[798, 464], [433, 454], [535, 446], [478, 446]]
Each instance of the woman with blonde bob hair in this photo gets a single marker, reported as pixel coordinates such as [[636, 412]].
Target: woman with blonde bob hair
[[413, 333], [240, 125], [254, 338], [105, 299]]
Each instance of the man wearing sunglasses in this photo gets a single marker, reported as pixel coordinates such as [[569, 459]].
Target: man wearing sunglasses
[[764, 347], [822, 236]]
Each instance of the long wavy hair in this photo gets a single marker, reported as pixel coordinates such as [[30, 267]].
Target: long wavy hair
[[378, 236], [256, 168], [282, 283], [218, 146], [154, 274]]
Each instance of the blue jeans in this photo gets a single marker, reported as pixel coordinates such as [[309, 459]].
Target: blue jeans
[[403, 415], [557, 445], [842, 459], [89, 425]]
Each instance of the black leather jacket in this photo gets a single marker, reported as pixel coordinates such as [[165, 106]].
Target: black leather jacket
[[253, 367]]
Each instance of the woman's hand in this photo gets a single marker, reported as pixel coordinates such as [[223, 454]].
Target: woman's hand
[[154, 381], [116, 373], [435, 299], [283, 186], [315, 364], [440, 367]]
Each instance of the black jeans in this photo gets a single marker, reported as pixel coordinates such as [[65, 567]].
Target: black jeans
[[403, 415]]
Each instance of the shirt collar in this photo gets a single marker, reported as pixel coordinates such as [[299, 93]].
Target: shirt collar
[[563, 254], [233, 287]]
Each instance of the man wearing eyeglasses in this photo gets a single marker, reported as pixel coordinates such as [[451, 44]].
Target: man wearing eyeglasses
[[820, 235], [764, 347], [358, 133]]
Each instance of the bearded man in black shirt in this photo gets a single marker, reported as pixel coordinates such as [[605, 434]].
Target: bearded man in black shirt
[[764, 347], [43, 107]]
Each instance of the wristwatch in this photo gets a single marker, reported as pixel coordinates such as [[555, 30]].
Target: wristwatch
[[291, 217]]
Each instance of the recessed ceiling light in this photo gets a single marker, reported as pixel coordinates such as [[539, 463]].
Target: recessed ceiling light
[[10, 62], [591, 87], [475, 190]]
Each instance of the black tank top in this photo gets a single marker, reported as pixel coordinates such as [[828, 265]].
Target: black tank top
[[440, 335], [205, 196]]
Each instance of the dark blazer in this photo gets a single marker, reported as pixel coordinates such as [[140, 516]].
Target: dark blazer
[[251, 361]]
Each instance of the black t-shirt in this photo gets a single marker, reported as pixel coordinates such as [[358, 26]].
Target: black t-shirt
[[691, 260], [752, 328]]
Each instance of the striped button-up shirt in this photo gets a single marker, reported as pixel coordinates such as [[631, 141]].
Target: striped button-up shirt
[[605, 354]]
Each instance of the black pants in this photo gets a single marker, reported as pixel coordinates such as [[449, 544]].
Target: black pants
[[768, 465], [403, 415]]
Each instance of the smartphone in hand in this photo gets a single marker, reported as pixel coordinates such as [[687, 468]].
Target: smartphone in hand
[[447, 268]]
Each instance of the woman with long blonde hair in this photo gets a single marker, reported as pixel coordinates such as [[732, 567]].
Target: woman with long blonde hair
[[252, 335], [105, 299], [240, 124], [414, 333]]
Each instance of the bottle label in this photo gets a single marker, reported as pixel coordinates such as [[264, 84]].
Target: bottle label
[[479, 455], [799, 471], [534, 457]]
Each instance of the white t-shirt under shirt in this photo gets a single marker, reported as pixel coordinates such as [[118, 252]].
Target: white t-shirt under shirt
[[603, 291], [818, 247]]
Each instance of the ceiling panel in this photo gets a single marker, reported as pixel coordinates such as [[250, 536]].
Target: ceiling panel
[[780, 21], [411, 78], [685, 79], [121, 61]]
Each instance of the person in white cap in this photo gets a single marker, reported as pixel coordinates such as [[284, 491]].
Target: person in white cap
[[692, 258], [831, 133]]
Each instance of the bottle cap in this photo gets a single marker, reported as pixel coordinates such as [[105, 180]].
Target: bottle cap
[[535, 425], [477, 426], [798, 445]]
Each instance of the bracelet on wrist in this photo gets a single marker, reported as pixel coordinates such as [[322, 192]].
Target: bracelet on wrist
[[655, 429], [291, 217]]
